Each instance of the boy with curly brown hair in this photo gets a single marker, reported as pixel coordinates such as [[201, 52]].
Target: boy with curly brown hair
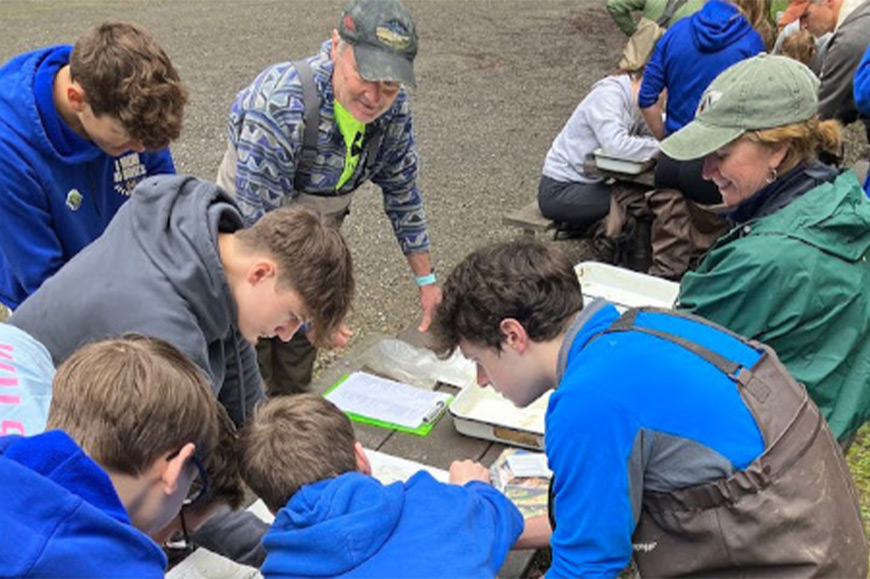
[[80, 127]]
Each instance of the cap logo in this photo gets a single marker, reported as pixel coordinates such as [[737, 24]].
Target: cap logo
[[394, 34], [708, 100]]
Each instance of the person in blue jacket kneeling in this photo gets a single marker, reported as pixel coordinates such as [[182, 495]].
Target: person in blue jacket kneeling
[[333, 519], [671, 440]]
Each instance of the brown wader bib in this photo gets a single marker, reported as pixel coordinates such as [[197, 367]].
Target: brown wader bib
[[793, 512]]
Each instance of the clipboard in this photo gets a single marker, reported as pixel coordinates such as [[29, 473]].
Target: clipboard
[[373, 406]]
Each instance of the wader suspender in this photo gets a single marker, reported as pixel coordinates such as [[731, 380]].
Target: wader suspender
[[626, 322], [670, 10], [311, 118]]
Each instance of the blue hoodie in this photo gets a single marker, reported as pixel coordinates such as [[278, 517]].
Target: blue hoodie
[[353, 526], [61, 516], [59, 190], [691, 54]]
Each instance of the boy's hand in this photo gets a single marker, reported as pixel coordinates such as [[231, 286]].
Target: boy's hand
[[339, 339], [464, 471]]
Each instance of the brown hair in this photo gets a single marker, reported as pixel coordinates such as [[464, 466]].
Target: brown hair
[[313, 260], [125, 74], [129, 400], [757, 14], [800, 46], [222, 466], [293, 441], [806, 140], [526, 280]]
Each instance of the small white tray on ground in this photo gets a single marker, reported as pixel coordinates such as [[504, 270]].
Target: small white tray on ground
[[618, 165], [484, 413]]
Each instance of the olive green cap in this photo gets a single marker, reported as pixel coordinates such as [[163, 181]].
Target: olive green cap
[[758, 93]]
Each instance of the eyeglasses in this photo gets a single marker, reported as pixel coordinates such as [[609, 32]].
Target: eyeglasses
[[183, 546], [199, 486]]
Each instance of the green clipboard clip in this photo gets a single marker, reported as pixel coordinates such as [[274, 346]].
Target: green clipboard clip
[[424, 429]]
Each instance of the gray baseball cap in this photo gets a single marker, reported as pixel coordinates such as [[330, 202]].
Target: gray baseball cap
[[384, 39], [761, 92]]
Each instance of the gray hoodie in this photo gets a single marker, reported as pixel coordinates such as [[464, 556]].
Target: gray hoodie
[[607, 118], [156, 271]]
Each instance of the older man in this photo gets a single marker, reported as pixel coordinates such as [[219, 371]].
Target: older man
[[848, 21], [315, 130]]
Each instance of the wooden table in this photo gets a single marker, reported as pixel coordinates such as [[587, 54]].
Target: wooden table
[[442, 446]]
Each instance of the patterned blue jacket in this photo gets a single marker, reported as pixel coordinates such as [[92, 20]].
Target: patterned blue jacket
[[266, 128]]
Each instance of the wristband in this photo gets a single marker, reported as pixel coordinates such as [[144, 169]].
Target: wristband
[[427, 279]]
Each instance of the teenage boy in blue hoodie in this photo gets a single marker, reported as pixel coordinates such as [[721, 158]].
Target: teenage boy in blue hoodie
[[671, 440], [80, 126], [333, 519], [130, 424]]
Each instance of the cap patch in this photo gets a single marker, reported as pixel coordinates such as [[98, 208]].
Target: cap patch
[[394, 34], [709, 99]]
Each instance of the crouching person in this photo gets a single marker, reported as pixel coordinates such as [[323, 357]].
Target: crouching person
[[131, 422], [671, 439], [333, 519]]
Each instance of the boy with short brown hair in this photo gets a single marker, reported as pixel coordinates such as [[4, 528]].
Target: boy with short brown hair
[[80, 127], [130, 423], [333, 519]]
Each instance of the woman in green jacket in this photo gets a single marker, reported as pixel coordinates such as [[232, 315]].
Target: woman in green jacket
[[793, 272]]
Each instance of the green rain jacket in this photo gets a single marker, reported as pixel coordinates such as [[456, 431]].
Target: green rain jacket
[[621, 12], [798, 280]]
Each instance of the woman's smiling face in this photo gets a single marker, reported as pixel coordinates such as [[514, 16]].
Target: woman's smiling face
[[741, 168]]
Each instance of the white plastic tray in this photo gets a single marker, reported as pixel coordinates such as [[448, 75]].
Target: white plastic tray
[[624, 287], [617, 165], [484, 413]]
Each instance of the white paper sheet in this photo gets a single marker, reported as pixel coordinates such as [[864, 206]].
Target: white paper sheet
[[386, 400]]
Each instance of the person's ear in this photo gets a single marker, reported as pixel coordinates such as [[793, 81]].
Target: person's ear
[[171, 476], [333, 53], [778, 153], [514, 335], [75, 95], [261, 270], [362, 460]]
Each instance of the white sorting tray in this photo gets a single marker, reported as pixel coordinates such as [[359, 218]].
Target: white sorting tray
[[484, 413], [617, 165], [624, 287]]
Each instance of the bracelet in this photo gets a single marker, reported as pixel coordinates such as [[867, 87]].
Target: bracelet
[[427, 279]]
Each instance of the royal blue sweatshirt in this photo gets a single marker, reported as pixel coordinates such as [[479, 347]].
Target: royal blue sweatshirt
[[691, 54], [59, 189], [61, 516], [354, 526]]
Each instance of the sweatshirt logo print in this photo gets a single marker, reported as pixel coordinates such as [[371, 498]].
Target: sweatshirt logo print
[[74, 199], [129, 171]]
